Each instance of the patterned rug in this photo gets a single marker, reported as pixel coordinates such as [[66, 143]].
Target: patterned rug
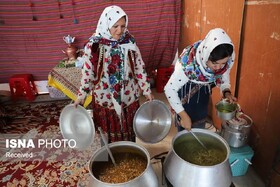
[[33, 152]]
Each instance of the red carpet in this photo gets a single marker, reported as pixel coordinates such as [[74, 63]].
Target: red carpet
[[40, 164]]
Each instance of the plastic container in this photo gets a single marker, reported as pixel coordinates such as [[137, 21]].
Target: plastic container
[[240, 159], [163, 75], [23, 85]]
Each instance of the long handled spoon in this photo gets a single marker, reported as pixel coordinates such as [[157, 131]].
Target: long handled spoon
[[106, 146], [200, 142]]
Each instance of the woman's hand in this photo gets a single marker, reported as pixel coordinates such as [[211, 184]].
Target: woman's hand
[[79, 101], [186, 121], [149, 97], [172, 110], [230, 97]]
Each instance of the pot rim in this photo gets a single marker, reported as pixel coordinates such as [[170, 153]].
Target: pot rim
[[226, 102], [117, 144], [203, 131], [226, 115], [247, 122], [237, 127]]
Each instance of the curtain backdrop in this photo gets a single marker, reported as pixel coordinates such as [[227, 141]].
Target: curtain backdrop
[[31, 31]]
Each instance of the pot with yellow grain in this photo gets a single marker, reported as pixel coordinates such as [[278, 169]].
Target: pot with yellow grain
[[133, 167]]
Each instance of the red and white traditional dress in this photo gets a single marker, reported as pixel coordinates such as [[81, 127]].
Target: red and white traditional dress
[[115, 74]]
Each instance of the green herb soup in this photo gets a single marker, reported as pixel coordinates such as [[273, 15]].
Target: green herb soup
[[189, 149]]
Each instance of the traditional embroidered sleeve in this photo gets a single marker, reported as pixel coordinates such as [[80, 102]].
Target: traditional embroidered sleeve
[[87, 73], [141, 74], [177, 80]]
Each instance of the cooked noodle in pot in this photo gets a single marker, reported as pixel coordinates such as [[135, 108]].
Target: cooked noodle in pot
[[207, 157], [191, 151]]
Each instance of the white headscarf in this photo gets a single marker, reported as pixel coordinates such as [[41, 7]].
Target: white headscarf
[[214, 38], [108, 18]]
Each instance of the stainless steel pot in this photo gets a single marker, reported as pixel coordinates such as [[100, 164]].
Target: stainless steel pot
[[236, 135], [182, 173], [226, 110], [148, 178]]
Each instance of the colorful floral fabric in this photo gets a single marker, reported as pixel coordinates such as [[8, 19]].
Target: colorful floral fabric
[[109, 122], [195, 56], [117, 81], [191, 68], [115, 74]]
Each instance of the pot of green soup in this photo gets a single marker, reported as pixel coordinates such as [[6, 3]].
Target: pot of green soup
[[225, 110], [191, 165]]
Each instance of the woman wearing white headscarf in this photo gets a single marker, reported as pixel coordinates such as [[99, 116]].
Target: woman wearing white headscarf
[[115, 73], [200, 67]]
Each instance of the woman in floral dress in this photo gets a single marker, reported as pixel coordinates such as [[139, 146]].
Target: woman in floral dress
[[114, 73]]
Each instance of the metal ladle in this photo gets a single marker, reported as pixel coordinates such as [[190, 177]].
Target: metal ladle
[[106, 146], [199, 141]]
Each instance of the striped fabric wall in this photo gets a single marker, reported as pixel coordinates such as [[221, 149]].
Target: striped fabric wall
[[31, 31]]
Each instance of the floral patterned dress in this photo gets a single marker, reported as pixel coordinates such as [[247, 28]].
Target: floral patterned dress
[[116, 80]]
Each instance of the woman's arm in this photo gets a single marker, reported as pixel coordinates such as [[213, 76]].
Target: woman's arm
[[225, 87], [87, 75], [141, 75], [177, 80]]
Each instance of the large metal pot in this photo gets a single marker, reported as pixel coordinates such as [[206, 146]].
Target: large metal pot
[[148, 178], [182, 173], [236, 134]]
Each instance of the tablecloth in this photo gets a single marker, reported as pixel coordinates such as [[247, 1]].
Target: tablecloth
[[67, 80]]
